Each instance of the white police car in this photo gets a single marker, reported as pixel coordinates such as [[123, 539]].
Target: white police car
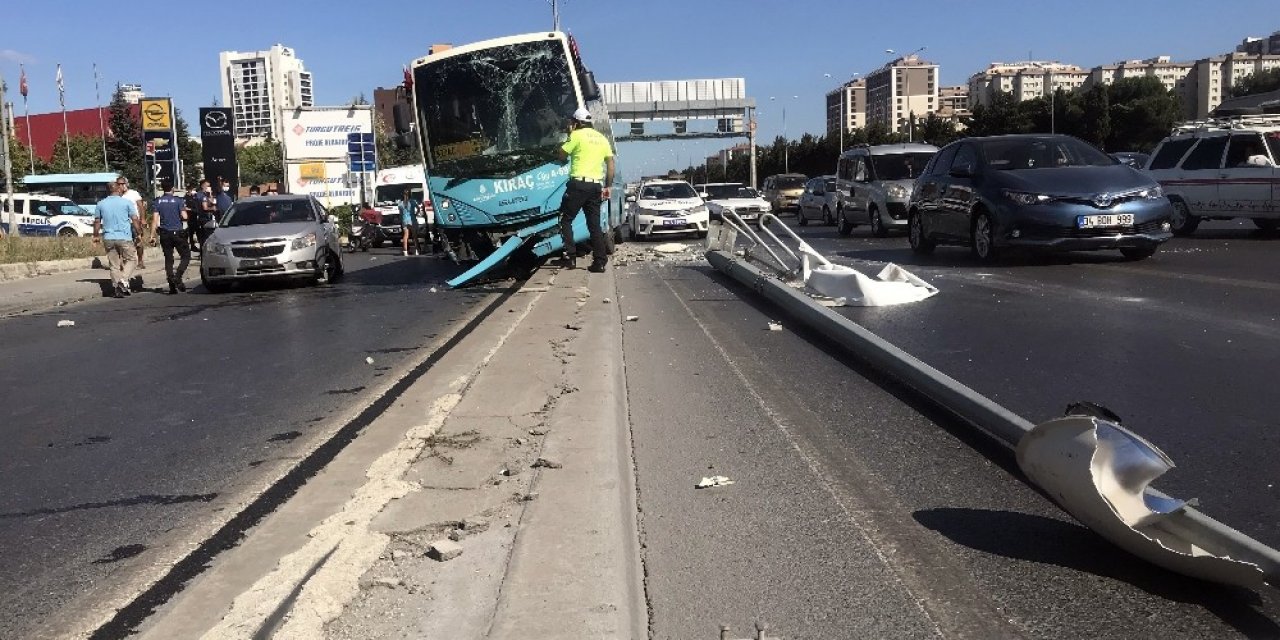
[[45, 215]]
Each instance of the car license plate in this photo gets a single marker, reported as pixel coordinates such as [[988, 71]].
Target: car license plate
[[264, 262], [1110, 220], [673, 223]]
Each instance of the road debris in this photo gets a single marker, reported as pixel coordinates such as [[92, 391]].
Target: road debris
[[539, 431], [368, 360], [457, 535], [433, 289], [573, 327], [529, 497], [444, 550], [66, 323], [775, 326], [671, 247], [607, 300], [547, 463], [400, 554], [714, 481], [632, 318], [386, 582], [475, 525]]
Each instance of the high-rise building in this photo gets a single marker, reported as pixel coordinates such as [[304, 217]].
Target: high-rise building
[[257, 84], [1261, 46], [132, 93], [851, 108], [900, 89]]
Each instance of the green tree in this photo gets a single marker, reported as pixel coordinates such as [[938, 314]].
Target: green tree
[[124, 143], [1000, 116], [21, 159], [261, 163], [1095, 121], [936, 130], [390, 155], [1141, 113], [1260, 82], [86, 155], [189, 151]]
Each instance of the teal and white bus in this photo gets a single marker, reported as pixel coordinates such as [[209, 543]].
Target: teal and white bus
[[84, 189], [491, 116]]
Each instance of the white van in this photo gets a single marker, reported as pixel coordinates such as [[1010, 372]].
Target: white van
[[390, 187], [46, 215]]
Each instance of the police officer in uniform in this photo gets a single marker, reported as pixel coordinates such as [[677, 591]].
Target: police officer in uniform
[[591, 169], [171, 212]]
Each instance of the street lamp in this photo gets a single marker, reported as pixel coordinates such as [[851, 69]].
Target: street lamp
[[844, 117], [786, 150], [911, 128]]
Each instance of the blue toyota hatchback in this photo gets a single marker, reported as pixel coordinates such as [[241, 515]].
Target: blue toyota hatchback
[[1046, 192]]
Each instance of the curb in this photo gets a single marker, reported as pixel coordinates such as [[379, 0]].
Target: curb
[[24, 270]]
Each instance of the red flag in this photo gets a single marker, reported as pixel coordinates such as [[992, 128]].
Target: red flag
[[22, 82], [408, 78]]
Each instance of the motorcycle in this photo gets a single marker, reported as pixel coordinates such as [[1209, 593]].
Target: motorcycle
[[363, 235]]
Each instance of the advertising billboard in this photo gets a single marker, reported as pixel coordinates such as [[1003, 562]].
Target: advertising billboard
[[321, 133], [218, 145], [331, 190]]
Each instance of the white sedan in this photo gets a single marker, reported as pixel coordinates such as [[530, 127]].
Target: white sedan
[[735, 198], [667, 207]]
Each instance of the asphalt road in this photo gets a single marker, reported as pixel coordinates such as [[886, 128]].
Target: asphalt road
[[152, 415], [860, 512]]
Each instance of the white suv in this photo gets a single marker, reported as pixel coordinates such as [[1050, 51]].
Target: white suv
[[666, 207], [45, 215], [1221, 169]]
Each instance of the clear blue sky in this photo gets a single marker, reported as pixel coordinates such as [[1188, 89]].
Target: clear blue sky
[[781, 48]]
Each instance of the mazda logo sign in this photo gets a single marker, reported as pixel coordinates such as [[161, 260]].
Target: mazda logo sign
[[215, 120]]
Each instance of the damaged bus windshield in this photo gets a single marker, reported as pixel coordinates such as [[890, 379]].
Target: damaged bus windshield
[[500, 111]]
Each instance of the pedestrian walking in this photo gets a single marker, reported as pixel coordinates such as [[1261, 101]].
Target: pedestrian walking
[[409, 220], [171, 212], [208, 211], [115, 225], [591, 170], [136, 198]]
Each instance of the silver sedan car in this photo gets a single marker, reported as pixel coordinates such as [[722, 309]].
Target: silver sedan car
[[281, 236]]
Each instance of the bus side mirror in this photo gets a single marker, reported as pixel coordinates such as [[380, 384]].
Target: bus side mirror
[[590, 89]]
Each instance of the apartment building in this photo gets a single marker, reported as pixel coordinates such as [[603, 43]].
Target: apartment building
[[1214, 77], [849, 108], [1026, 80], [953, 103], [257, 84], [900, 89]]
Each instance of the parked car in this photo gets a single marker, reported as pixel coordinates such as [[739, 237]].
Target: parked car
[[783, 190], [1221, 169], [874, 185], [666, 207], [40, 214], [1135, 159], [818, 201], [282, 236], [1047, 192], [733, 196]]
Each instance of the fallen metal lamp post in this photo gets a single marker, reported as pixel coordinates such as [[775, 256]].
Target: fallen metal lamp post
[[1095, 469]]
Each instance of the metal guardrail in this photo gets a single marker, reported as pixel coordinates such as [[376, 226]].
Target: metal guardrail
[[1191, 525]]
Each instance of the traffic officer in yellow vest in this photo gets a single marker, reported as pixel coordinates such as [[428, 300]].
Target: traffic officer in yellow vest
[[590, 173]]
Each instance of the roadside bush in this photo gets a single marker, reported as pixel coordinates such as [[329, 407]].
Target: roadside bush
[[39, 249]]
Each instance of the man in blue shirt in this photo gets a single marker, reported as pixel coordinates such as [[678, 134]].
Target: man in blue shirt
[[167, 223], [115, 225]]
